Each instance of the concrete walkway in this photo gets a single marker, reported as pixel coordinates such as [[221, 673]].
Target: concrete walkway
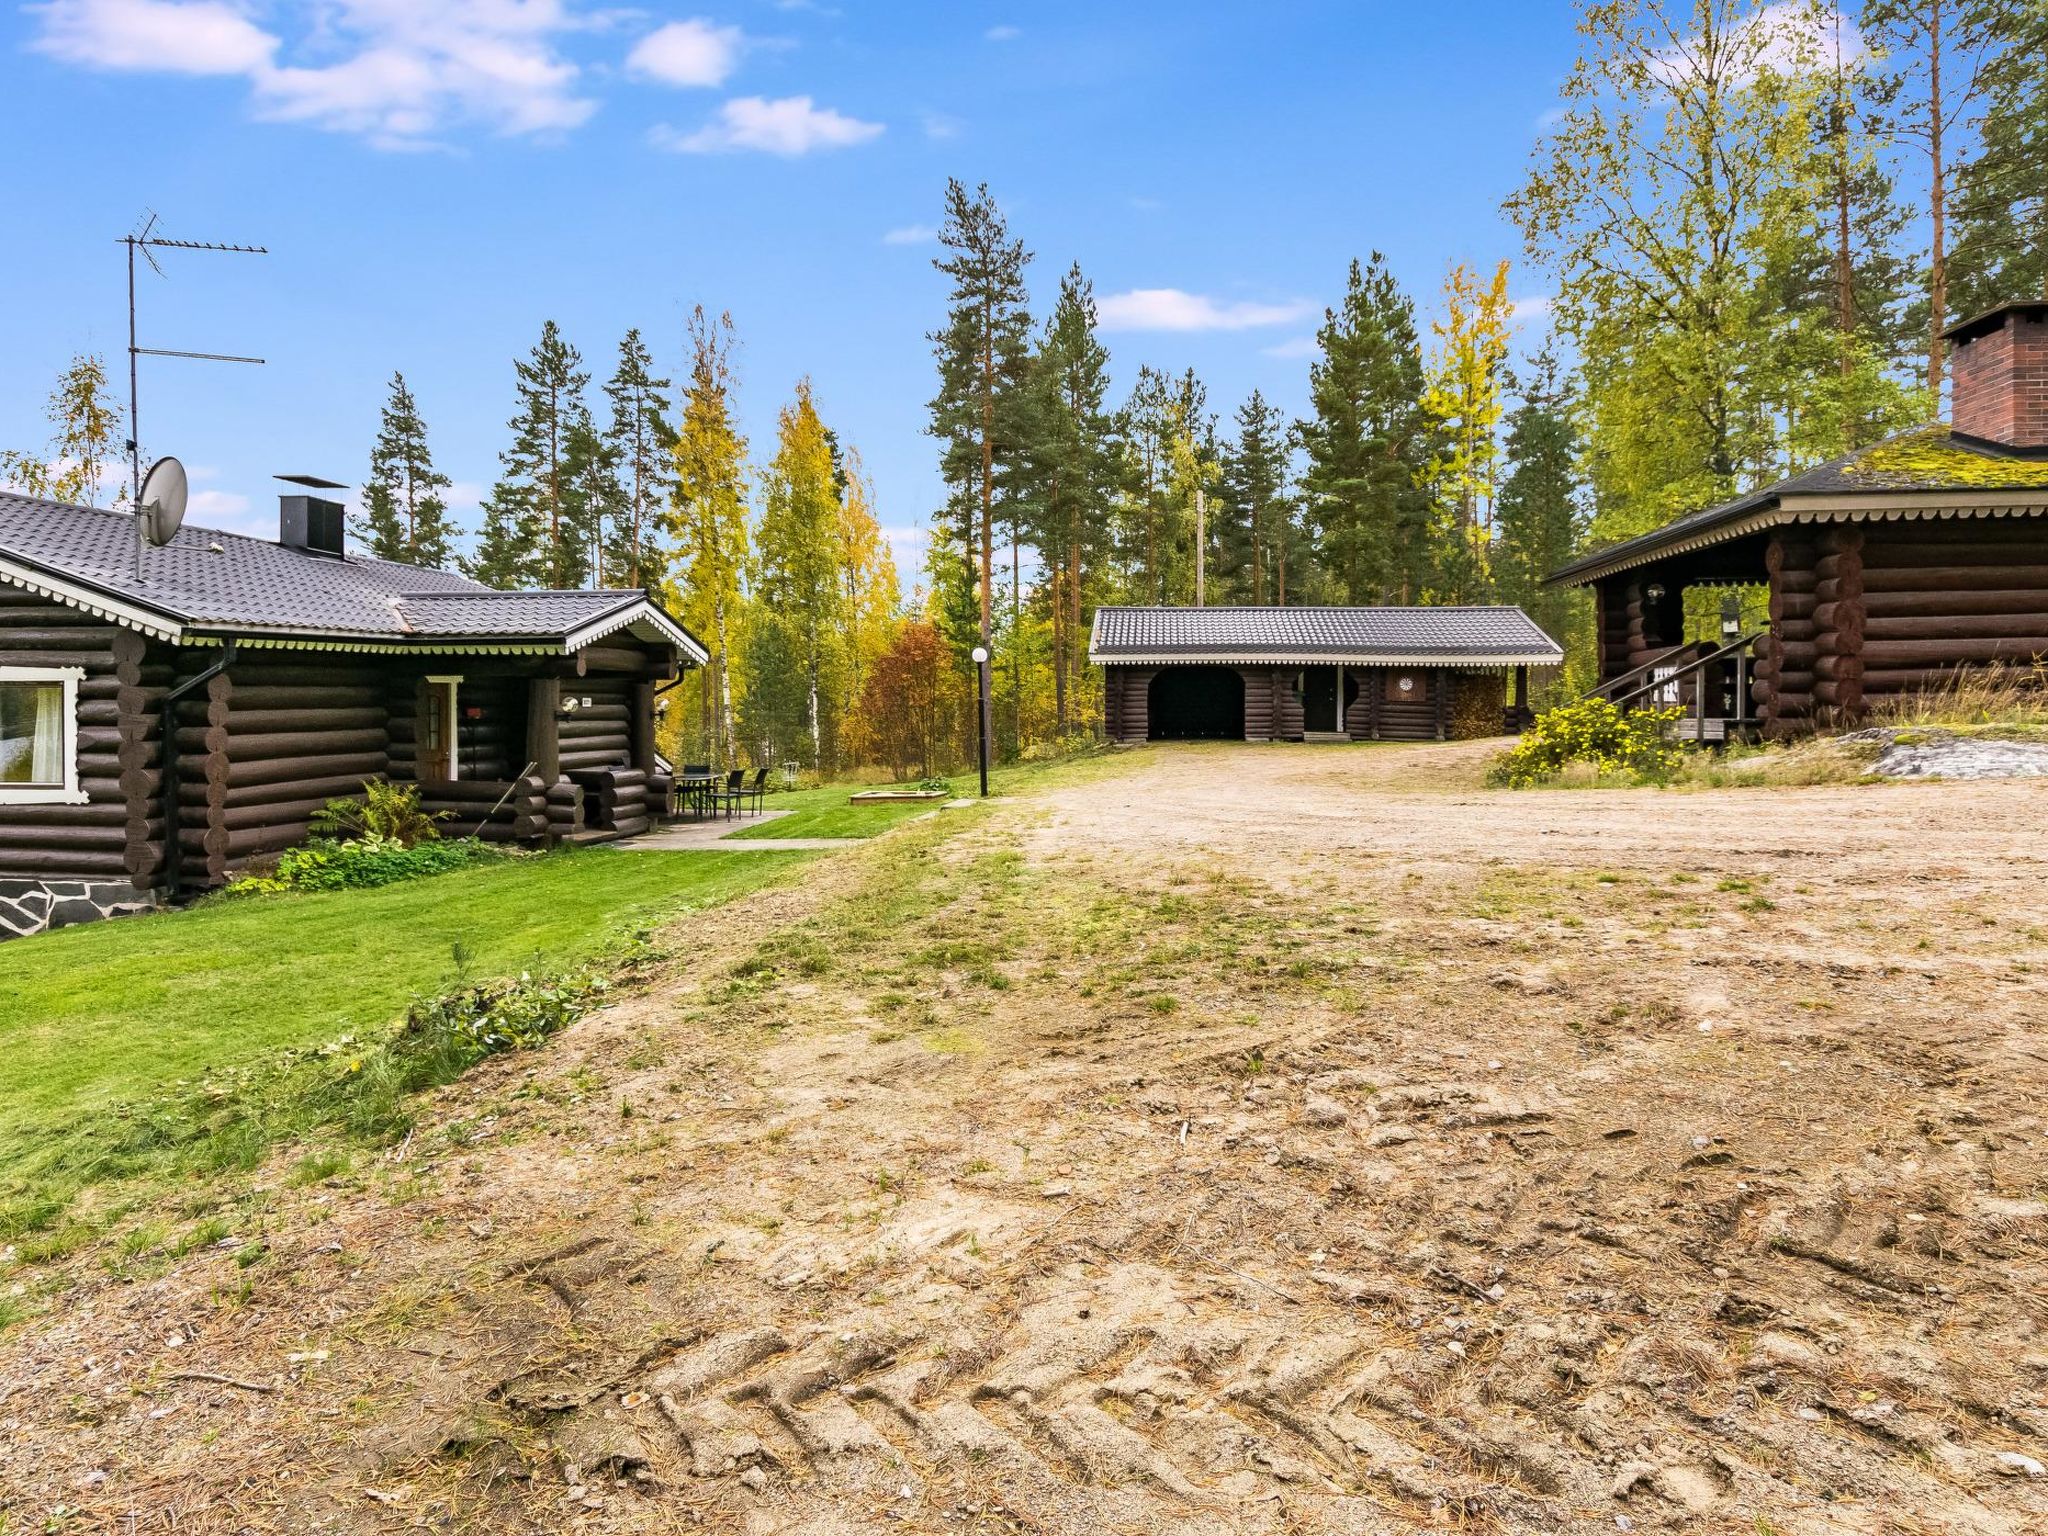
[[717, 834]]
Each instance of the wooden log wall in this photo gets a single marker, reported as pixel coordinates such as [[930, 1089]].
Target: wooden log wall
[[1785, 674], [1417, 719], [1838, 624], [498, 811], [266, 744], [598, 734], [1938, 595], [110, 837], [1258, 703], [1127, 702], [614, 799], [1611, 625], [1289, 721]]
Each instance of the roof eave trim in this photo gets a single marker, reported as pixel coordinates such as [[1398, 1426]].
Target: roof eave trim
[[1862, 506], [1326, 658], [36, 579], [641, 611]]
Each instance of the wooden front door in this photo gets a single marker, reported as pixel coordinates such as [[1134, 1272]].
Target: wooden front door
[[437, 732]]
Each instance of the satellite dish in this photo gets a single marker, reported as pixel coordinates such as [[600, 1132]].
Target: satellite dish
[[163, 501]]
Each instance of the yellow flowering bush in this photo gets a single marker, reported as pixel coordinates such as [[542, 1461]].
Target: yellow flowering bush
[[1593, 731]]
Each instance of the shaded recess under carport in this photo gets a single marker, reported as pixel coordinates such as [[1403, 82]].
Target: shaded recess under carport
[[1316, 674]]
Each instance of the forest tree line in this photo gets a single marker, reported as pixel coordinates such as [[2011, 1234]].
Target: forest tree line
[[1751, 220]]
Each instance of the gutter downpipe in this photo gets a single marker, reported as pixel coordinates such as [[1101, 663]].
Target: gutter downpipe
[[174, 848]]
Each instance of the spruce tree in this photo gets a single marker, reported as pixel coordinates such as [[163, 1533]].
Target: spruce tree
[[1255, 513], [535, 532], [405, 515], [640, 442], [1368, 443], [1538, 521]]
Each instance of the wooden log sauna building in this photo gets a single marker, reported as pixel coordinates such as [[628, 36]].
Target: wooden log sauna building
[[1888, 568], [1316, 674], [160, 731]]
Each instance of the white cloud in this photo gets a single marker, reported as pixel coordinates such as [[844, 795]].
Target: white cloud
[[1003, 34], [1298, 346], [690, 52], [395, 71], [911, 234], [1784, 37], [937, 125], [1535, 307], [792, 125], [181, 37], [1172, 309], [227, 504]]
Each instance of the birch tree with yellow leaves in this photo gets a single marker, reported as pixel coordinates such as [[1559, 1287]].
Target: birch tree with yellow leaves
[[1463, 400]]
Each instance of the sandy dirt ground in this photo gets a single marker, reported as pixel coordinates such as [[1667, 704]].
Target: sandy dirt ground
[[1218, 1139]]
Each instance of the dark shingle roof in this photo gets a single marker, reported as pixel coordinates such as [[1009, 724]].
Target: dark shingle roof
[[1335, 634], [213, 580], [510, 613], [1926, 459]]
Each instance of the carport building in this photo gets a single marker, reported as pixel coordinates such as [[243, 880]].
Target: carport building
[[1316, 674]]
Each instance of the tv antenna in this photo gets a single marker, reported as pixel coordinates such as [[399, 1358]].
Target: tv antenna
[[144, 238]]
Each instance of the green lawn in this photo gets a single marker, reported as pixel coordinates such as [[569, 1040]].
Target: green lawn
[[828, 813], [108, 1012]]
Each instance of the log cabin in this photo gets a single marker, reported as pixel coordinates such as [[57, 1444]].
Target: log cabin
[[1316, 674], [1887, 569], [170, 715]]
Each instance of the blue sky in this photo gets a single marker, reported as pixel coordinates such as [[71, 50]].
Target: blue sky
[[436, 177]]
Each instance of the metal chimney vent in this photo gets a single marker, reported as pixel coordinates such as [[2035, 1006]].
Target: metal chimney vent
[[311, 523]]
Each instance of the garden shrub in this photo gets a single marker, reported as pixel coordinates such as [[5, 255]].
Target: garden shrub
[[367, 862], [1591, 731]]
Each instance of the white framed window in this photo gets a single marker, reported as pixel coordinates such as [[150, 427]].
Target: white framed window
[[39, 735]]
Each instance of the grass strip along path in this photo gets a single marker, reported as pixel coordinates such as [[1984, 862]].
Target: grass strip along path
[[99, 1018]]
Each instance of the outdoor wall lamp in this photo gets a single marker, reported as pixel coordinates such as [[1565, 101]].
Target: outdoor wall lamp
[[1654, 592], [981, 711]]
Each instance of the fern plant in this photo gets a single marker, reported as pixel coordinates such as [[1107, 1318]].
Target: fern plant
[[388, 813]]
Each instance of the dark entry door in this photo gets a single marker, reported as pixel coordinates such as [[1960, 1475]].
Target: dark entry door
[[1319, 699], [1196, 704]]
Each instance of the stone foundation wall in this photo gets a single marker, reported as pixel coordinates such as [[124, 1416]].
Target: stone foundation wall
[[30, 906]]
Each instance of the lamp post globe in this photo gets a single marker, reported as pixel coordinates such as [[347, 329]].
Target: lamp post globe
[[980, 655]]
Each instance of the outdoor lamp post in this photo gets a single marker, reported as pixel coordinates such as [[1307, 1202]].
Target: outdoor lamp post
[[981, 711]]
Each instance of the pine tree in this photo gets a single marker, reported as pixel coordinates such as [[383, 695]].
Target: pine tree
[[1257, 536], [641, 444], [1936, 50], [1145, 429], [405, 515], [1368, 443], [708, 519], [800, 556], [1077, 465], [1538, 519], [535, 532], [2001, 211], [981, 413]]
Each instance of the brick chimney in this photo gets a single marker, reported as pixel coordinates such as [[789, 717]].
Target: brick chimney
[[1998, 365]]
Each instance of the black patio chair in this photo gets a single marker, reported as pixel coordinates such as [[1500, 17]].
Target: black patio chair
[[732, 794], [758, 790]]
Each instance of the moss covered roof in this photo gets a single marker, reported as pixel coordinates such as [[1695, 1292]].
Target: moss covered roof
[[1931, 458]]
